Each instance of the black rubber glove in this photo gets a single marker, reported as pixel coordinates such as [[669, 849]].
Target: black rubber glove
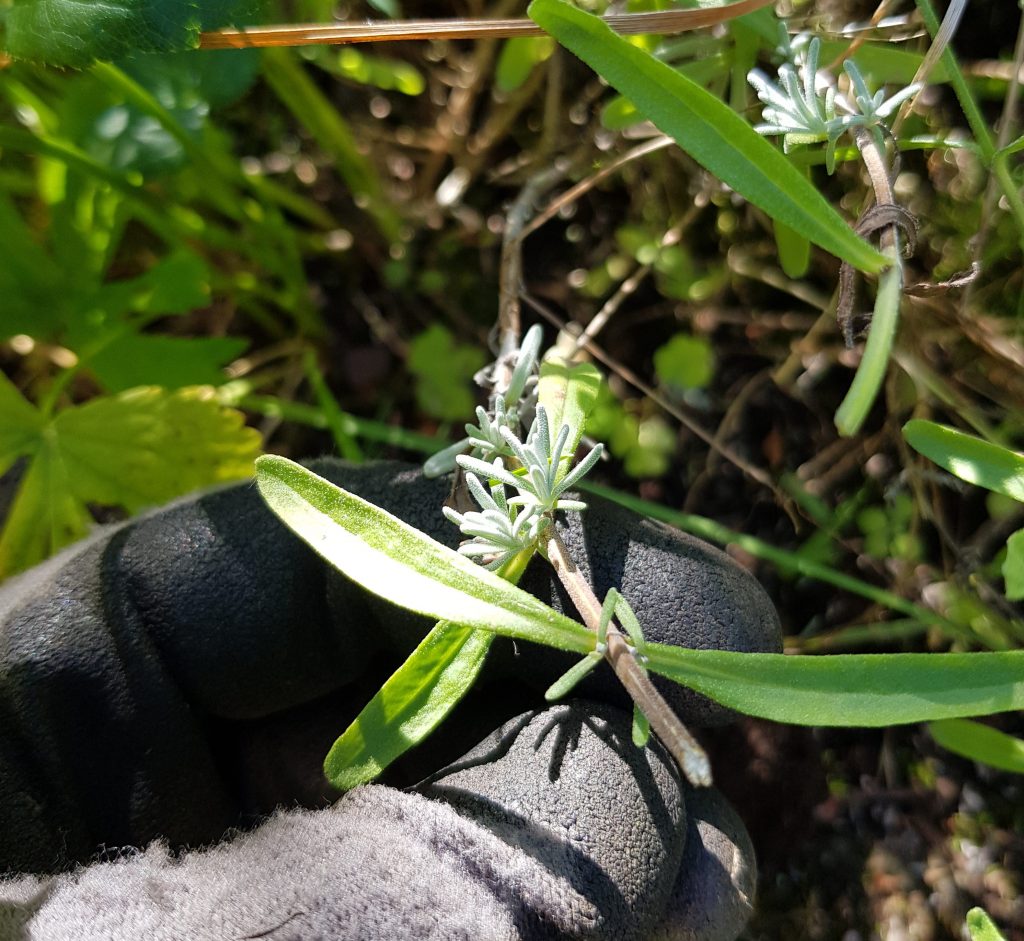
[[180, 673]]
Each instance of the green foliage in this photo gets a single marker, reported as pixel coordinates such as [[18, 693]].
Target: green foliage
[[408, 568], [443, 369], [980, 743], [714, 135], [849, 689], [410, 704], [133, 450], [518, 59], [968, 457], [568, 393], [75, 34], [685, 362], [643, 441], [854, 408], [379, 71], [415, 699], [389, 558], [982, 463], [887, 532], [982, 927]]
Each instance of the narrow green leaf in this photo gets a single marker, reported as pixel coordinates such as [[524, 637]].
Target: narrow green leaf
[[980, 743], [641, 731], [714, 135], [20, 424], [568, 680], [568, 392], [868, 379], [849, 689], [410, 705], [404, 566], [982, 927], [972, 459], [794, 251], [1013, 566]]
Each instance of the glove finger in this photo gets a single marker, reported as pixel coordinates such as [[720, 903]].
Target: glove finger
[[713, 897], [556, 826], [568, 788]]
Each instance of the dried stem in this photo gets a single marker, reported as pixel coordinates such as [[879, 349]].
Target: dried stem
[[308, 34], [684, 748]]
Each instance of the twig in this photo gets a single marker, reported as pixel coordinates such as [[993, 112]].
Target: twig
[[684, 748], [511, 278], [308, 34]]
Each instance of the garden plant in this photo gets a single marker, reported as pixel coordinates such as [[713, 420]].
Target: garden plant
[[751, 175]]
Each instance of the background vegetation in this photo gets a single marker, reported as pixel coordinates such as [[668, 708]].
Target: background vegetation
[[207, 254]]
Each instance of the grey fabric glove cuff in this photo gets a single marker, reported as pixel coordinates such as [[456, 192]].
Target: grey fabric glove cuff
[[556, 826]]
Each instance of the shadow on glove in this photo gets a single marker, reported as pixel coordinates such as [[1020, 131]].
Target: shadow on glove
[[556, 826], [186, 672]]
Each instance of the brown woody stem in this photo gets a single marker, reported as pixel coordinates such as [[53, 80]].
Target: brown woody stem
[[684, 748]]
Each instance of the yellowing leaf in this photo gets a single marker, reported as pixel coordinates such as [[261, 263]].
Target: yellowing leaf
[[133, 450]]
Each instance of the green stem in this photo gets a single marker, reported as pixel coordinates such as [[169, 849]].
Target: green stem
[[714, 531], [307, 103], [304, 414], [338, 422]]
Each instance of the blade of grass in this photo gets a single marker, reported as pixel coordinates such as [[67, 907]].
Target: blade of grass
[[711, 132], [847, 690]]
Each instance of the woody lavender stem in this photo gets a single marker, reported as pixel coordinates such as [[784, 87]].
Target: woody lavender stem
[[691, 758]]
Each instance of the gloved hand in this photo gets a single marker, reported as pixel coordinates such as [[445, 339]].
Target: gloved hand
[[186, 673]]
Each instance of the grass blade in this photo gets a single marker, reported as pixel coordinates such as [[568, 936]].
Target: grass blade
[[849, 689], [708, 130]]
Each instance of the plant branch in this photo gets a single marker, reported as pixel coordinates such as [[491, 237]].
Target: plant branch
[[684, 748]]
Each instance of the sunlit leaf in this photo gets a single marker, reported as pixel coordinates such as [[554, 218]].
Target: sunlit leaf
[[981, 927], [1013, 566], [849, 689], [714, 135], [403, 565], [415, 699], [980, 743], [569, 393], [134, 450], [972, 459], [410, 705]]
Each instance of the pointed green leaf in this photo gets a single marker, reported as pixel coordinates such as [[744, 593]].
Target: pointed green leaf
[[568, 392], [972, 459], [416, 698], [410, 705], [1013, 566], [982, 927], [708, 130], [852, 689], [403, 565], [133, 450], [980, 743], [20, 424]]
